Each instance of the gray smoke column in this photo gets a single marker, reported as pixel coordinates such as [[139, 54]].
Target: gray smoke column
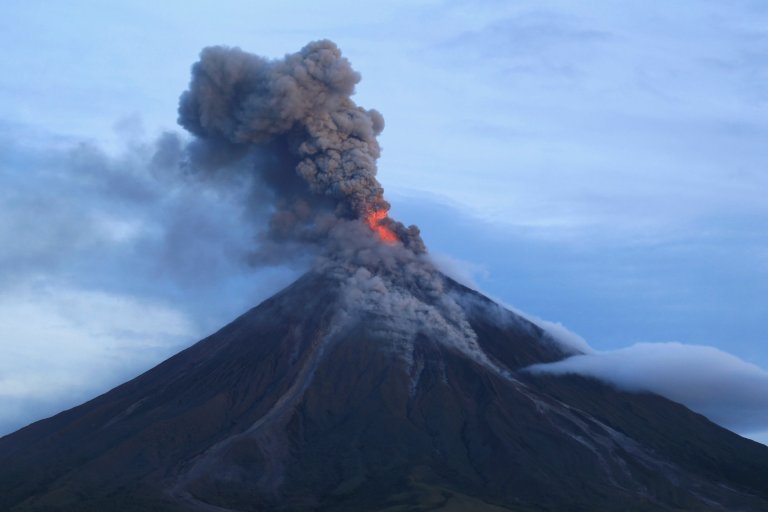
[[294, 120]]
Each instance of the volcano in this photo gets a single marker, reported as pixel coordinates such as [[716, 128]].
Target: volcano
[[352, 391]]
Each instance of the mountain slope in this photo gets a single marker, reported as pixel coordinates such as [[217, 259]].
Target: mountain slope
[[325, 398]]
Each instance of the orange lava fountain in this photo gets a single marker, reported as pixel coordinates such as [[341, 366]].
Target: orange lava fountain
[[375, 221]]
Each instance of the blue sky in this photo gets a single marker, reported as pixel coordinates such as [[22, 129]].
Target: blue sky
[[596, 164]]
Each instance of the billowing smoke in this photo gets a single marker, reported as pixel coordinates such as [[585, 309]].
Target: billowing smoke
[[308, 153], [292, 125]]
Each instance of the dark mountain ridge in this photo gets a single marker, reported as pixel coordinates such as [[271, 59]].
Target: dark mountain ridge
[[348, 392]]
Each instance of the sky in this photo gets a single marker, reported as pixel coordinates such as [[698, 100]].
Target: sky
[[598, 165]]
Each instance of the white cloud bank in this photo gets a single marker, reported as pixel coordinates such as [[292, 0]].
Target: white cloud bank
[[726, 389]]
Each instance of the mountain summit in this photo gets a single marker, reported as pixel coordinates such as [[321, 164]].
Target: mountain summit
[[350, 391]]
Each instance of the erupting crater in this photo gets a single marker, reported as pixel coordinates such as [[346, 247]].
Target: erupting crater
[[378, 222]]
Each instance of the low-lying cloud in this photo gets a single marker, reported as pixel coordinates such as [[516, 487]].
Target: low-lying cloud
[[63, 344], [726, 389]]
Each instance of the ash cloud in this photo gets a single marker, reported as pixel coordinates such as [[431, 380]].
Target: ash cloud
[[292, 125], [279, 171], [122, 222]]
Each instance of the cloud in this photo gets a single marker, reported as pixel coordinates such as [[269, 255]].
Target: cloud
[[73, 210], [560, 333], [110, 262], [726, 389], [462, 271], [79, 204], [532, 41], [63, 345], [569, 340]]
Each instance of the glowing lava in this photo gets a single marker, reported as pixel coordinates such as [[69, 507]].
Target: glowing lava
[[375, 221]]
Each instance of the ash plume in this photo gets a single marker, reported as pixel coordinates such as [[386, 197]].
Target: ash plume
[[292, 126], [289, 130]]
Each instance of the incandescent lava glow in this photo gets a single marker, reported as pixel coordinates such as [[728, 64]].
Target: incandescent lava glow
[[375, 220]]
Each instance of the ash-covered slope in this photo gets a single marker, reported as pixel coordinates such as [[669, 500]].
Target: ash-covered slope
[[352, 391]]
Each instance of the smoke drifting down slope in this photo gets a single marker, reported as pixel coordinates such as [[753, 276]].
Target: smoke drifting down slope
[[292, 127]]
